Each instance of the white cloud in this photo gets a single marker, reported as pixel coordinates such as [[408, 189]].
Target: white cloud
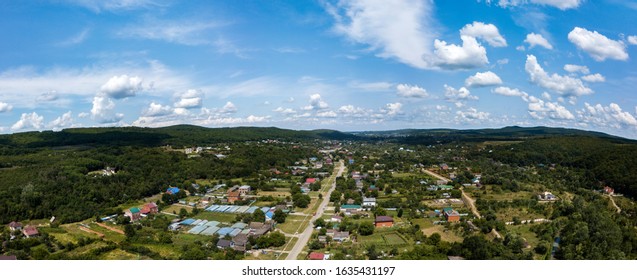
[[155, 110], [483, 79], [546, 96], [487, 32], [29, 121], [537, 40], [594, 78], [75, 39], [392, 109], [560, 4], [632, 40], [503, 61], [509, 92], [189, 99], [98, 6], [562, 84], [191, 32], [119, 87], [472, 114], [316, 103], [459, 96], [5, 107], [598, 46], [470, 55], [64, 121], [539, 109], [47, 96], [327, 114], [102, 110], [607, 116], [401, 31], [377, 86], [286, 111], [571, 68], [229, 108], [352, 111], [405, 90], [83, 115]]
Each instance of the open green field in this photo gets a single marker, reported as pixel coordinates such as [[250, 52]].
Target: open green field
[[215, 216], [275, 194], [119, 254], [428, 228], [293, 224]]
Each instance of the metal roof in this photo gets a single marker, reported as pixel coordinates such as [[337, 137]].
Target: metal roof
[[235, 232], [252, 209], [187, 222], [209, 231], [197, 229], [212, 224], [239, 225], [224, 231]]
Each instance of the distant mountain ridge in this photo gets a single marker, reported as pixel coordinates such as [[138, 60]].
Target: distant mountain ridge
[[197, 135]]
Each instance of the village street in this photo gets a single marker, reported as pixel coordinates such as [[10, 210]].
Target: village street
[[307, 233]]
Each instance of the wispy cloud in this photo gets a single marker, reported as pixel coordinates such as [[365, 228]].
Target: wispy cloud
[[75, 39], [99, 6]]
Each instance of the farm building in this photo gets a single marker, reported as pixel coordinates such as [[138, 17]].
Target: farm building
[[149, 208], [172, 190], [13, 226], [133, 213], [222, 244], [384, 221], [451, 215], [316, 256], [30, 231]]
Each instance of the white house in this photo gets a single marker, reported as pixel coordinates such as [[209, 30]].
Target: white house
[[369, 202]]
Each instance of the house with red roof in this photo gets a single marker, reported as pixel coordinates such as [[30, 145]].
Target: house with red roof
[[310, 180], [30, 231], [316, 256], [149, 208], [609, 190]]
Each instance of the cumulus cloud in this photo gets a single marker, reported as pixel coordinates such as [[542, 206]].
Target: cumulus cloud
[[607, 116], [5, 107], [405, 90], [509, 92], [155, 110], [483, 79], [632, 40], [327, 114], [571, 68], [392, 109], [400, 31], [560, 4], [539, 109], [316, 103], [546, 96], [352, 111], [453, 57], [29, 121], [458, 96], [598, 46], [537, 40], [189, 99], [487, 32], [119, 87], [103, 110], [471, 114], [594, 78], [63, 121], [229, 108], [564, 85]]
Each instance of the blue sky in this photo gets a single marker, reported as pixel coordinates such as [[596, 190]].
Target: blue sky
[[346, 65]]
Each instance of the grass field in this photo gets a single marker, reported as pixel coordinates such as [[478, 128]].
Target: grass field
[[428, 228], [119, 254], [293, 224], [279, 194], [214, 216], [393, 239]]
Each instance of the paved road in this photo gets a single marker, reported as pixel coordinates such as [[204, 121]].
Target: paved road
[[307, 233]]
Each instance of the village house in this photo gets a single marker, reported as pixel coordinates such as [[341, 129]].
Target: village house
[[233, 194], [244, 190], [172, 190], [369, 202], [608, 190], [149, 208], [133, 213], [384, 221], [336, 219], [546, 196], [223, 244], [30, 231], [316, 256], [340, 236], [240, 242], [13, 226], [451, 215]]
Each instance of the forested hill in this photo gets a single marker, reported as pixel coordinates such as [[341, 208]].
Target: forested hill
[[180, 135], [510, 133]]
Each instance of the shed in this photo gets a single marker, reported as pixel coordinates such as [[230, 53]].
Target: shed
[[187, 222]]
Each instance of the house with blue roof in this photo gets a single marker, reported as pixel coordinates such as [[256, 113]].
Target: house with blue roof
[[172, 190]]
